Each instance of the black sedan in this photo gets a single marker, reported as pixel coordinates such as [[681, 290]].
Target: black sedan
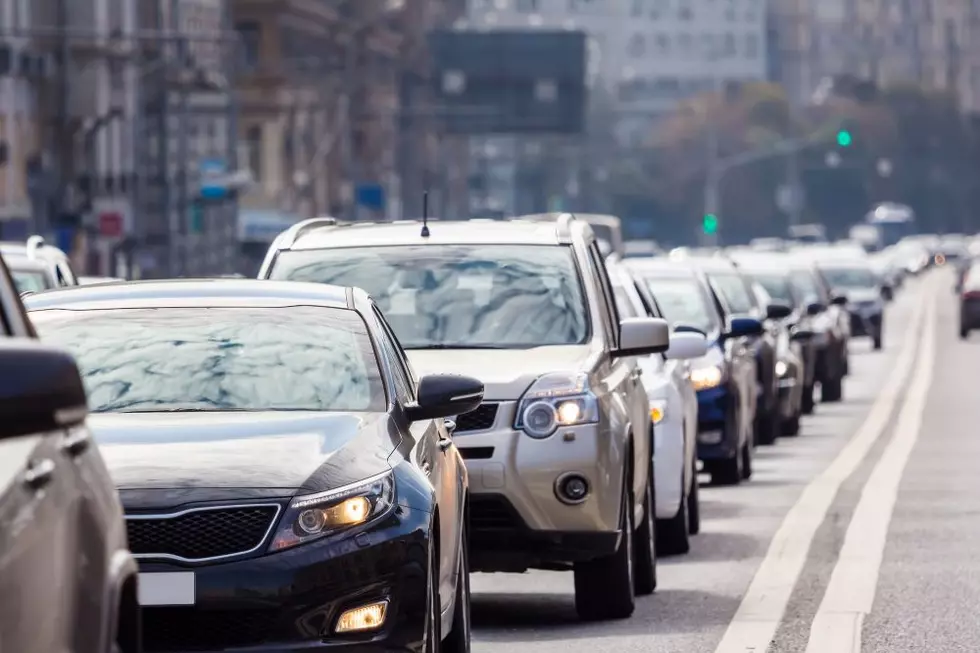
[[288, 485]]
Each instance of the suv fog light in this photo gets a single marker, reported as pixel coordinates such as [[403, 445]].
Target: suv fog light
[[572, 488], [363, 618]]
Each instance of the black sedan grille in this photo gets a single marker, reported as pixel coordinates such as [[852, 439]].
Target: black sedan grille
[[191, 629], [201, 534], [480, 419]]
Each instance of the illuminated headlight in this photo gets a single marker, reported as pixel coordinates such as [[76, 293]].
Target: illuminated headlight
[[658, 410], [781, 368], [556, 400], [704, 378], [313, 516]]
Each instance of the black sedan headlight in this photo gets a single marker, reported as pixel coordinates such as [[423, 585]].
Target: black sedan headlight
[[312, 516]]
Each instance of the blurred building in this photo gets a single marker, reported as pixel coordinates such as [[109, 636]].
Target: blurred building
[[887, 42]]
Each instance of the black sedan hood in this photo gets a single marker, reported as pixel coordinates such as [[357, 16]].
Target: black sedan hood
[[255, 453]]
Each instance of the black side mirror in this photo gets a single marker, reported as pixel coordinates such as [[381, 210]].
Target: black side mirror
[[815, 308], [445, 395], [40, 389], [801, 335], [778, 311], [839, 300]]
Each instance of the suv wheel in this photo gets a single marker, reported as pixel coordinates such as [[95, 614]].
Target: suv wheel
[[646, 542], [832, 390], [604, 587], [694, 502]]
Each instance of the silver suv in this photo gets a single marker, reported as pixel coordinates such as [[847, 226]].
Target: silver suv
[[559, 454]]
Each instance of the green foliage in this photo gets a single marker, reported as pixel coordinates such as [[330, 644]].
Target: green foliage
[[933, 152]]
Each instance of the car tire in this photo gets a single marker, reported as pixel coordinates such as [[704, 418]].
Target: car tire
[[832, 390], [767, 427], [876, 341], [747, 461], [646, 545], [458, 639], [604, 587], [433, 619], [808, 404], [673, 534], [694, 502], [791, 426], [964, 333]]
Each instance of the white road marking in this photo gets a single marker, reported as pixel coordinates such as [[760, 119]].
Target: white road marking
[[850, 594], [761, 610]]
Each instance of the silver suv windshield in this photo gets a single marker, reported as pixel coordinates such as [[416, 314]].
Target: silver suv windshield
[[459, 296]]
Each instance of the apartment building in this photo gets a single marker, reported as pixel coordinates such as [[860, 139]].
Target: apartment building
[[931, 42]]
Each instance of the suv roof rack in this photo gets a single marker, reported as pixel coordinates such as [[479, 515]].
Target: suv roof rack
[[34, 243], [291, 235]]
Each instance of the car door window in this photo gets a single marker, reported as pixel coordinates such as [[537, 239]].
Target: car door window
[[735, 292], [402, 377], [610, 315]]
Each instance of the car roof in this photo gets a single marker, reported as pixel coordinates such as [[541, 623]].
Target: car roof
[[22, 262], [12, 248], [409, 232], [660, 266], [193, 293]]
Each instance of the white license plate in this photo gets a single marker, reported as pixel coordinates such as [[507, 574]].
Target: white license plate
[[176, 588]]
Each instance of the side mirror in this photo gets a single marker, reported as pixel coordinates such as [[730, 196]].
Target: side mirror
[[639, 336], [839, 300], [801, 335], [815, 308], [744, 327], [778, 311], [685, 346], [40, 389], [445, 395], [689, 328]]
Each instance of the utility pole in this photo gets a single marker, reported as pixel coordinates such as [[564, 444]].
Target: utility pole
[[793, 182], [712, 183]]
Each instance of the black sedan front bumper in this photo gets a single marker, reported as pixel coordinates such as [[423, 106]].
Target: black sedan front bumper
[[289, 601]]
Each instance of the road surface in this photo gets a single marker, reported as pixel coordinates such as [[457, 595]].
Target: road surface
[[857, 535]]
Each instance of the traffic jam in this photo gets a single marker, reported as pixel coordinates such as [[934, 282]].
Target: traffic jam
[[320, 458]]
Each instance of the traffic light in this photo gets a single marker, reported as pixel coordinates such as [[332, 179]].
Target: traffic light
[[844, 138], [710, 223]]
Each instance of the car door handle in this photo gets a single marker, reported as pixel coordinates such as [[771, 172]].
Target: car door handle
[[450, 426], [39, 474], [75, 445], [445, 443], [426, 467], [636, 374]]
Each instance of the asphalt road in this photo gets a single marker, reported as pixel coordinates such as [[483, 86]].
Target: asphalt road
[[856, 535]]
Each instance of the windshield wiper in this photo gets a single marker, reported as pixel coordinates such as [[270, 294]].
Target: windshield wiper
[[202, 409], [457, 346]]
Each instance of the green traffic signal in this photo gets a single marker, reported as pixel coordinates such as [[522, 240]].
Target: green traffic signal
[[844, 138], [710, 223]]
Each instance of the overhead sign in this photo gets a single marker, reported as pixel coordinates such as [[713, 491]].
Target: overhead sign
[[111, 224], [263, 226], [214, 183], [510, 81]]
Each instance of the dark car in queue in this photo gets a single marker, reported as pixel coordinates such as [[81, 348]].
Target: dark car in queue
[[725, 378], [733, 287], [287, 483], [855, 280], [796, 365], [63, 553], [969, 290]]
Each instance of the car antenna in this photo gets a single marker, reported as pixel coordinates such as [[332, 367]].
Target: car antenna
[[425, 214]]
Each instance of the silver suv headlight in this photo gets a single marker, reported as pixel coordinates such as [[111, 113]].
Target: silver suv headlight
[[557, 399], [312, 516]]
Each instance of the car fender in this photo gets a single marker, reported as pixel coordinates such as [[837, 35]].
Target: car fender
[[121, 570]]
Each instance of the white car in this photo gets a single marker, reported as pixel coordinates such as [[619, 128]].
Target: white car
[[674, 414]]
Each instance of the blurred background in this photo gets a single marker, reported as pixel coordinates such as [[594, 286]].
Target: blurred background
[[153, 138]]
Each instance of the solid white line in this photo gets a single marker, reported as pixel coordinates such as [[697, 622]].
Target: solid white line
[[850, 594], [757, 618]]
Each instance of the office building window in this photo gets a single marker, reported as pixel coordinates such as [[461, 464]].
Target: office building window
[[637, 46], [528, 6], [250, 35], [253, 145], [663, 44], [751, 46]]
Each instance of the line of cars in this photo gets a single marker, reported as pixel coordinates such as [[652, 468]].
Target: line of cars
[[319, 458]]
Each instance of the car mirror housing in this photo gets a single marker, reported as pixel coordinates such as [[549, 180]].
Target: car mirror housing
[[839, 300], [639, 336], [685, 346], [815, 308], [742, 327], [445, 395], [778, 311], [40, 389]]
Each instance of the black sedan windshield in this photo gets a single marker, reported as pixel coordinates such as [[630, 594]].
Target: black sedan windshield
[[458, 296], [219, 359]]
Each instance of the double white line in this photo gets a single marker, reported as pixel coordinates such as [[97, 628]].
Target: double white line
[[850, 594]]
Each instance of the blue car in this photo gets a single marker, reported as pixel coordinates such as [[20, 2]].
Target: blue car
[[725, 378]]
